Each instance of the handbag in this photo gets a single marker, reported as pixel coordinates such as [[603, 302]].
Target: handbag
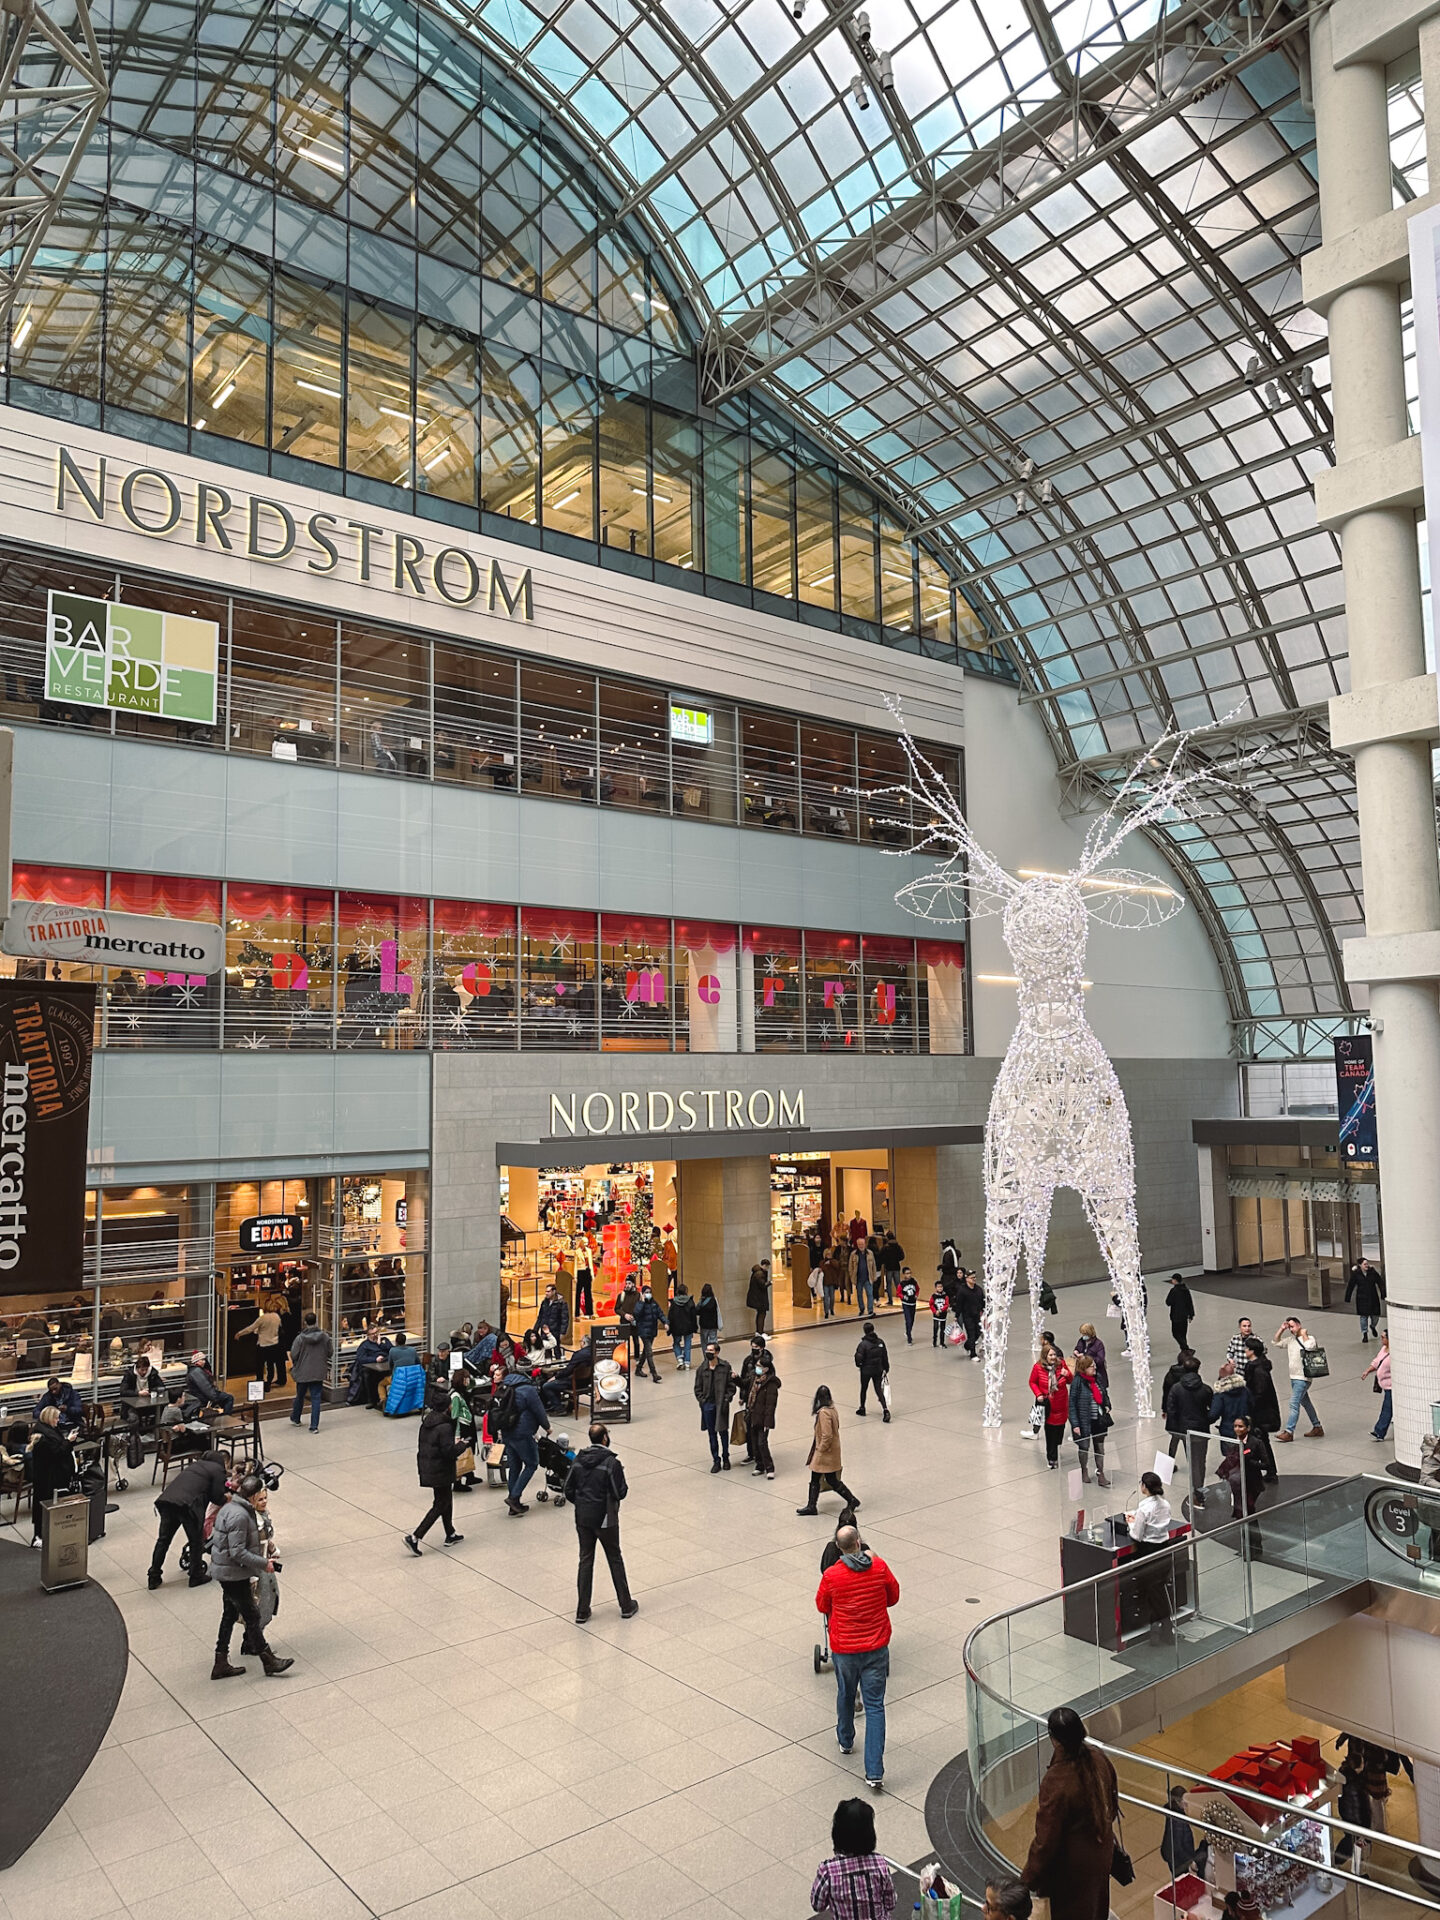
[[1375, 1383], [1122, 1867], [738, 1428], [1313, 1363]]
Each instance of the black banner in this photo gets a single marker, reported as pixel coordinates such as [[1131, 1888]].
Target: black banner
[[46, 1032], [273, 1232], [1355, 1095], [610, 1379]]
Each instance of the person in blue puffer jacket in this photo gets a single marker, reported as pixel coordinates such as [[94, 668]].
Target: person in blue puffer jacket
[[519, 1399], [649, 1318]]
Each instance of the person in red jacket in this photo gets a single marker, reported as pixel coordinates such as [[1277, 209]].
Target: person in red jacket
[[856, 1594], [1050, 1379]]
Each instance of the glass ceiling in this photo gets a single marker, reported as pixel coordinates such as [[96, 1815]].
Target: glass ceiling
[[1033, 266]]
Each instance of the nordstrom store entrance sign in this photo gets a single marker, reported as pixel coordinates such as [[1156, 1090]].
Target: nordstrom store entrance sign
[[576, 1115]]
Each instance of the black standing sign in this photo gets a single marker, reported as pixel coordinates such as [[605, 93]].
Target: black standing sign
[[46, 1033], [1355, 1093], [610, 1379]]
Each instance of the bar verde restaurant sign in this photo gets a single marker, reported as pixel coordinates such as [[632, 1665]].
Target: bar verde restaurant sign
[[222, 519], [100, 654]]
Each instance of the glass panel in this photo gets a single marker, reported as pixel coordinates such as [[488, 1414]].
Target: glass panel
[[557, 732], [306, 413], [509, 435], [770, 771], [557, 961], [884, 815], [771, 1000], [55, 324], [634, 748], [942, 995], [447, 392], [384, 701], [311, 160], [147, 317], [232, 346], [677, 463], [509, 203], [155, 1259], [827, 768], [725, 550], [567, 416], [945, 763], [191, 604], [282, 684], [569, 220], [474, 718], [636, 977], [889, 988], [26, 581], [163, 1007], [64, 887], [380, 408], [832, 992], [857, 553], [897, 577], [383, 955], [625, 475], [379, 1239], [772, 523], [704, 776], [706, 985], [278, 961], [936, 622], [473, 989], [815, 531]]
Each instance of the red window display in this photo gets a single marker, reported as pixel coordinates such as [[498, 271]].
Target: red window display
[[940, 970], [159, 1007], [66, 886], [832, 992], [279, 967], [557, 979], [382, 954], [771, 990], [636, 984], [473, 983], [888, 989]]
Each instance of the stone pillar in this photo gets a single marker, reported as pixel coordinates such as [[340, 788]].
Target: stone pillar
[[524, 1203], [724, 1230], [917, 1208], [1375, 516], [1217, 1227]]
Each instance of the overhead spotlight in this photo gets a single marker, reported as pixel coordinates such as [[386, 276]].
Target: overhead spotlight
[[1045, 492], [1252, 368], [1022, 465], [885, 71], [857, 88], [1272, 394], [797, 7], [1023, 504], [1307, 380], [862, 28]]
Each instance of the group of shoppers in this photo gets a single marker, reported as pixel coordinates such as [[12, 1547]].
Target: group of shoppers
[[857, 1266]]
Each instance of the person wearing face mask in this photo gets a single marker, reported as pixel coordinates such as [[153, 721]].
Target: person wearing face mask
[[649, 1318], [746, 1382], [760, 1408]]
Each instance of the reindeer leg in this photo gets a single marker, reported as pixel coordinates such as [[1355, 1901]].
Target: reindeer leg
[[1002, 1256], [1034, 1232], [1112, 1218]]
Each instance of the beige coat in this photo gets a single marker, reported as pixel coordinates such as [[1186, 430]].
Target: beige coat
[[825, 1453]]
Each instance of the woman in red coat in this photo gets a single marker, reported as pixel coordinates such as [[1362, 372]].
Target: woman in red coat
[[1074, 1842], [1050, 1379]]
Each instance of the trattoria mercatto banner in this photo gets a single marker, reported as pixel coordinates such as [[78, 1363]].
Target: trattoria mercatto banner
[[46, 1031]]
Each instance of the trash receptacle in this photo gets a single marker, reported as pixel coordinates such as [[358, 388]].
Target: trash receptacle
[[65, 1542]]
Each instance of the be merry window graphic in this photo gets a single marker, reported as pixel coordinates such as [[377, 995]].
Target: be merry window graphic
[[136, 659]]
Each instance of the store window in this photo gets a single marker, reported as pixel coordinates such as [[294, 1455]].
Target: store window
[[706, 987], [832, 992], [282, 684], [677, 478], [190, 603], [447, 393], [770, 771], [475, 742], [57, 323], [473, 983], [897, 577], [815, 535], [26, 581], [64, 887], [941, 975], [163, 1007], [637, 981], [567, 442], [634, 747], [380, 410], [772, 523], [937, 627], [250, 1280], [702, 758], [509, 435], [230, 376], [382, 959], [827, 772], [857, 553], [384, 702], [884, 806], [147, 320], [379, 1246], [279, 959], [557, 734], [726, 557], [772, 1009], [888, 986], [309, 336], [624, 474], [557, 980]]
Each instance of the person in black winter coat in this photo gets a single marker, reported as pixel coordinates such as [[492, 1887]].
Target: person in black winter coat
[[553, 1315], [595, 1486], [714, 1390], [1187, 1411], [873, 1360], [1181, 1303], [182, 1503], [1264, 1406], [1367, 1284], [746, 1381], [438, 1448], [52, 1466], [649, 1318], [684, 1323], [760, 1406], [757, 1294]]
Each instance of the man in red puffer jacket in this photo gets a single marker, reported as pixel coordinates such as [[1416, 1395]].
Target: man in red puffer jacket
[[856, 1594]]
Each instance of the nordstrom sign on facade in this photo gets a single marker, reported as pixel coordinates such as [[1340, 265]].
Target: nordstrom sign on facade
[[722, 1109]]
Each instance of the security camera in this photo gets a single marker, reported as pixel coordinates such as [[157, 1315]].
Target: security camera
[[862, 28], [1373, 1026], [857, 88]]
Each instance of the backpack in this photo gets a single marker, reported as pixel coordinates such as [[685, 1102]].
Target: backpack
[[504, 1410]]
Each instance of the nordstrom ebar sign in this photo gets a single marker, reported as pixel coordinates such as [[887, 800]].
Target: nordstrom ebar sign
[[154, 502], [725, 1108]]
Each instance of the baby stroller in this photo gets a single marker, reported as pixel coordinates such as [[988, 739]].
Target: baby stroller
[[556, 1457]]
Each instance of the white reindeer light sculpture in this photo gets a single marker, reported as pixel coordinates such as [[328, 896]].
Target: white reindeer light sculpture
[[1057, 1115]]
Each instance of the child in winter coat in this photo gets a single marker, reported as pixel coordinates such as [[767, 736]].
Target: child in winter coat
[[939, 1307]]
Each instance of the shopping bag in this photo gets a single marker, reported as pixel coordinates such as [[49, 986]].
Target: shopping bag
[[1315, 1365], [954, 1337], [1112, 1312], [738, 1429], [887, 1394], [465, 1463], [1036, 1422]]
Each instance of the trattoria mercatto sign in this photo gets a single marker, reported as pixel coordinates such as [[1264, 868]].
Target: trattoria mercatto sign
[[202, 513], [711, 1110]]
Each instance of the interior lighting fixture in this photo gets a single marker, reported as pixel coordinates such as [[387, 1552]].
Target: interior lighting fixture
[[565, 499], [857, 89], [332, 162], [224, 394], [1106, 885], [311, 386], [885, 71], [436, 458], [1012, 980], [22, 332], [397, 413], [862, 28]]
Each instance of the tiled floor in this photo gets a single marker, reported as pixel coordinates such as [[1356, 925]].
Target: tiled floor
[[450, 1744]]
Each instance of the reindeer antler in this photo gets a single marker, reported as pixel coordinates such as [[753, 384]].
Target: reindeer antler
[[1168, 791], [969, 870]]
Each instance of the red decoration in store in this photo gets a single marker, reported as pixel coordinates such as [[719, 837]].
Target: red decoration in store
[[477, 979], [834, 992], [289, 973], [884, 1004], [174, 979], [1275, 1768], [645, 985], [772, 987], [391, 979], [707, 990]]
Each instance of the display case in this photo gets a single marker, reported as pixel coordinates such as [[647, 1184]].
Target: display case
[[1289, 1873]]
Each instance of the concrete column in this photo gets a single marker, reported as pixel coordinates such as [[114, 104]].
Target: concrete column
[[917, 1208], [524, 1202], [724, 1230], [1217, 1234], [1393, 781]]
